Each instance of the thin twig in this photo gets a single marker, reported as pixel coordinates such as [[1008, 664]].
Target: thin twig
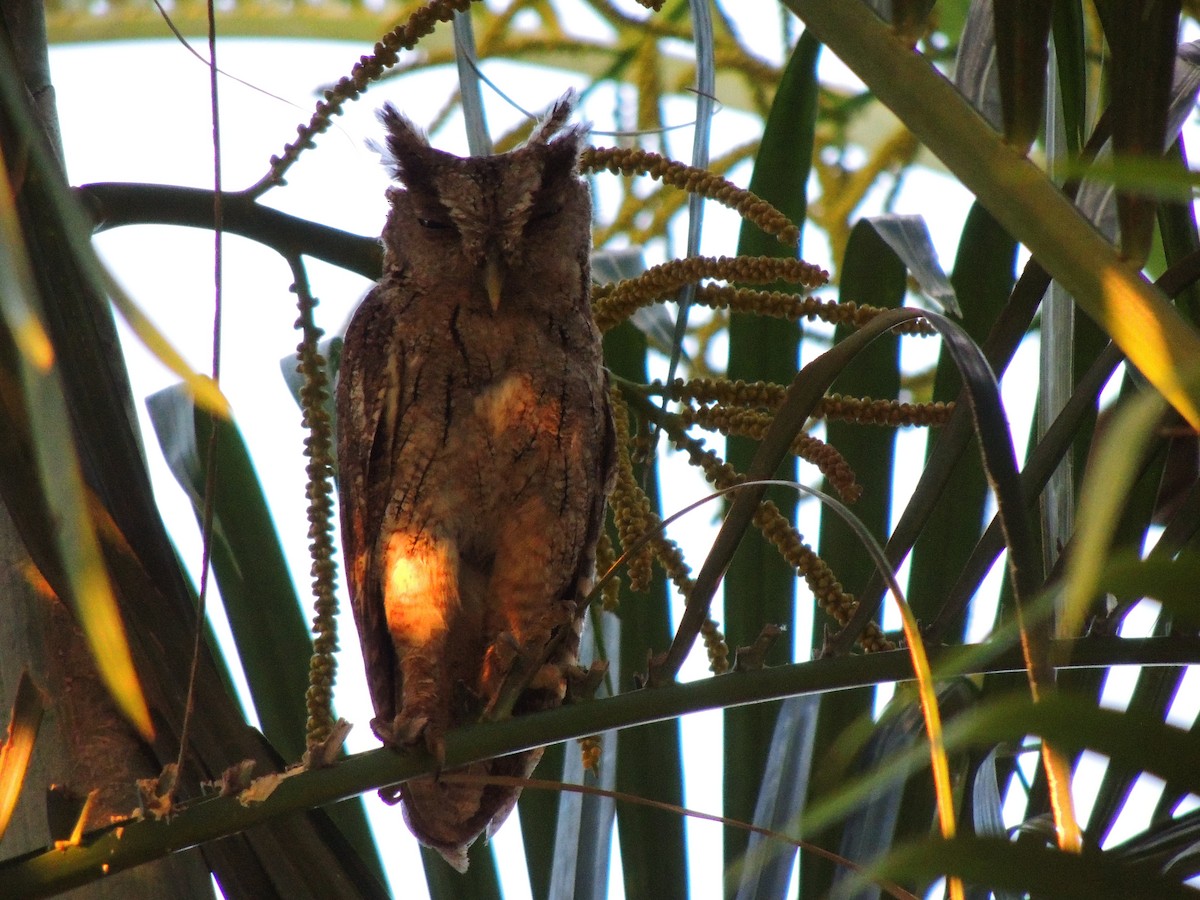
[[206, 526], [543, 784]]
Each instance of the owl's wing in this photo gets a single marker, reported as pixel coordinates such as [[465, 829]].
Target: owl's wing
[[368, 392], [605, 475]]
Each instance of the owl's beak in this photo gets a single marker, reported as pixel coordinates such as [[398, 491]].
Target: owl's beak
[[493, 278]]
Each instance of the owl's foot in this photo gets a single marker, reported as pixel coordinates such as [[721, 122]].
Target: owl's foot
[[528, 671], [508, 671], [435, 743], [415, 731], [405, 732], [402, 732], [498, 662], [582, 683]]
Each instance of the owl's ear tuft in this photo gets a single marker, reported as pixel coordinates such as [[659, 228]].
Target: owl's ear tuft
[[560, 158], [562, 145], [407, 153], [548, 130], [555, 119]]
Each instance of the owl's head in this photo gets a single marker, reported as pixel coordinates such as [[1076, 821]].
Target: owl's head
[[496, 223]]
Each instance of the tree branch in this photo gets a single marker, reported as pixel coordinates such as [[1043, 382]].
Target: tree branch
[[50, 871], [113, 204]]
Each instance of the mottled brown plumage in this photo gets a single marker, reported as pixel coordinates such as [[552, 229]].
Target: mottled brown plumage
[[475, 450]]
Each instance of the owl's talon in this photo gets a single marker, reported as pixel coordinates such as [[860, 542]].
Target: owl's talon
[[435, 743], [383, 731], [509, 640], [498, 662], [402, 732], [581, 683], [526, 671]]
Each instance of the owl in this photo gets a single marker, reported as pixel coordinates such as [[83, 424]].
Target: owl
[[475, 451]]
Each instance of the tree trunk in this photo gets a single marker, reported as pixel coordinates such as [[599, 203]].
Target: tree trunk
[[83, 743]]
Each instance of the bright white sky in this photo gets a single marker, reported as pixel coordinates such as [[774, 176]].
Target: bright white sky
[[159, 131]]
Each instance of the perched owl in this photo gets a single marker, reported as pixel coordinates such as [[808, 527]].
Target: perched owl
[[475, 450]]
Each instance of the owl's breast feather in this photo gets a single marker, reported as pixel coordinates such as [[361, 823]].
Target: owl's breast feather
[[514, 403]]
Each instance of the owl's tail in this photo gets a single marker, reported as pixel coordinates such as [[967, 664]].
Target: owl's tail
[[448, 815]]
